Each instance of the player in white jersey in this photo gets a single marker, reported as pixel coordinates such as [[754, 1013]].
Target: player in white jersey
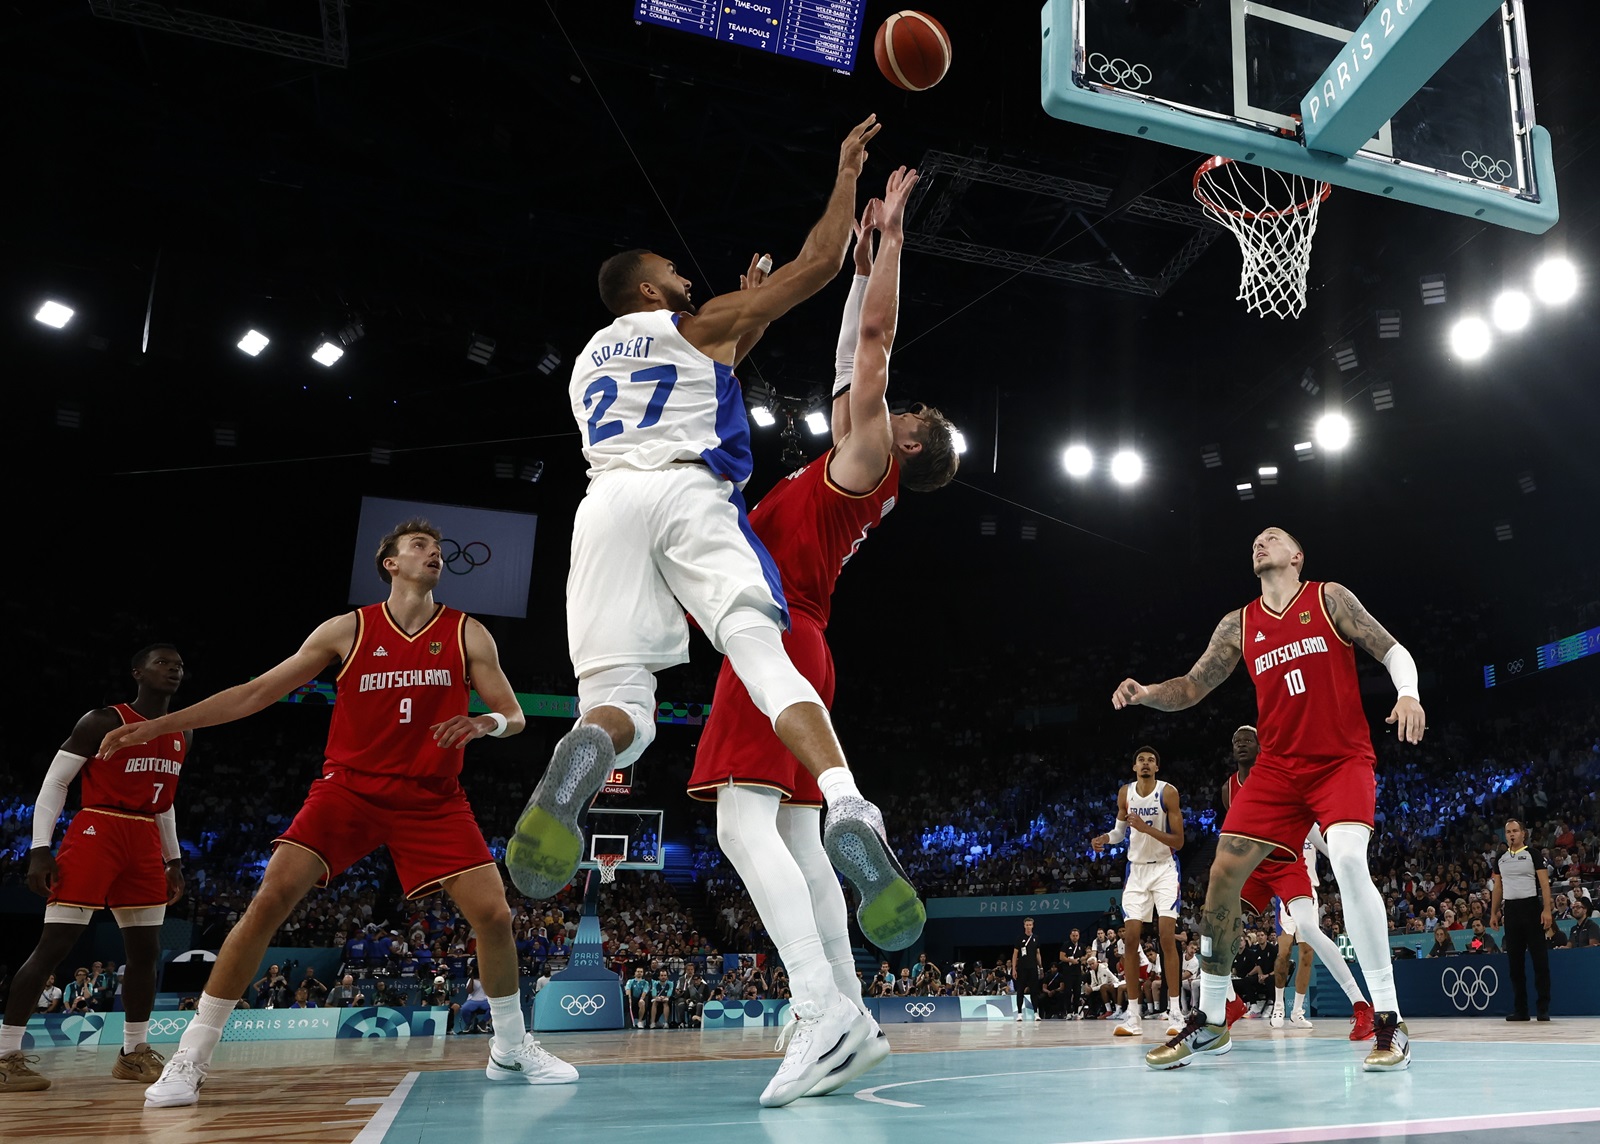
[[1149, 817], [662, 530]]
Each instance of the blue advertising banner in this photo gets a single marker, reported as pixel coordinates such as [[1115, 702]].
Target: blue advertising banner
[[167, 1026], [1479, 985]]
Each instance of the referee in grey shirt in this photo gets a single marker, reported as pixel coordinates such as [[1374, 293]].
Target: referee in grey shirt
[[1522, 898]]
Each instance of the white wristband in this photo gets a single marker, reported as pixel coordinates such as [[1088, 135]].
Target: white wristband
[[499, 724]]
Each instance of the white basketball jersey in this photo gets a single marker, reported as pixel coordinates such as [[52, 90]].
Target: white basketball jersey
[[1309, 855], [1141, 847], [644, 398]]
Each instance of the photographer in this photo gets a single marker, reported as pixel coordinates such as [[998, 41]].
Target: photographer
[[690, 1001]]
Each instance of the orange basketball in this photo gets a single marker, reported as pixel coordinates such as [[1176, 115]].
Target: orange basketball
[[913, 50]]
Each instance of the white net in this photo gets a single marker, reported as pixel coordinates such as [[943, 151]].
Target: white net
[[1273, 215], [607, 865]]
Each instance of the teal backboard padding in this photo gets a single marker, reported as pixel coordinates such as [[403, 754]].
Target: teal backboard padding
[[1227, 77]]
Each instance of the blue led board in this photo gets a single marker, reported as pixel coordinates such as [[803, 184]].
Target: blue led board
[[819, 31], [1544, 657]]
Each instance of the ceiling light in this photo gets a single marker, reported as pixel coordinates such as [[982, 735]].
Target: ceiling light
[[987, 526], [532, 471], [762, 416], [1526, 482], [1382, 394], [1245, 491], [504, 468], [1433, 292], [1211, 456], [958, 442], [1308, 382], [1388, 324], [254, 342], [1268, 474], [225, 436], [1502, 530], [327, 353], [1078, 461], [816, 422], [1470, 338], [1512, 310], [1556, 281], [1127, 467], [54, 314], [480, 349], [380, 453], [1304, 450], [1332, 431], [1030, 530], [1344, 356]]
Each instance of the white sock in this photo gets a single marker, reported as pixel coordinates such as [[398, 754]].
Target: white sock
[[1304, 913], [800, 827], [747, 830], [837, 783], [11, 1038], [1214, 990], [1278, 991], [509, 1026], [205, 1029], [134, 1034], [1364, 919]]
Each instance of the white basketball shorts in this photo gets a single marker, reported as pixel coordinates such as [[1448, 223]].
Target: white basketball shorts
[[648, 546], [1151, 891]]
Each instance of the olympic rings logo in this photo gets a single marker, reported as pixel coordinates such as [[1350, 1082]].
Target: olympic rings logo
[[169, 1026], [1470, 987], [473, 554], [1515, 666], [585, 1006], [1120, 73], [920, 1008], [1486, 166]]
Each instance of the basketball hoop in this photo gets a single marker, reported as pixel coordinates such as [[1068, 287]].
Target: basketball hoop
[[1273, 217], [607, 865]]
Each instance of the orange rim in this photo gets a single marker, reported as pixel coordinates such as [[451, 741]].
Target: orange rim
[[1217, 162]]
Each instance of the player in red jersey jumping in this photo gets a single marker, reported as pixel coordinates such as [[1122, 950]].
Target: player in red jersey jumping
[[120, 852], [1316, 764], [768, 816], [391, 779]]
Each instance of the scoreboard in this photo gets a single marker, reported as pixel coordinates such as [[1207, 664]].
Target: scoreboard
[[818, 31]]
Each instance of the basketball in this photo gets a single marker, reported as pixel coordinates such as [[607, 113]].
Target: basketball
[[913, 50]]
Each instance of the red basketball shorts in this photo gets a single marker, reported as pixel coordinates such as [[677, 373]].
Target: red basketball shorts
[[739, 745], [1285, 796], [431, 835], [1283, 880], [110, 858]]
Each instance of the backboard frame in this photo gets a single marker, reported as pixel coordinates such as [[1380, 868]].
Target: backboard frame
[[598, 830], [1070, 91]]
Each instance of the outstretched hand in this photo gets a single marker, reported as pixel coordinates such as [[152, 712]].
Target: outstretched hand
[[760, 267], [863, 231], [1411, 721], [127, 735], [895, 196], [853, 151], [1129, 693]]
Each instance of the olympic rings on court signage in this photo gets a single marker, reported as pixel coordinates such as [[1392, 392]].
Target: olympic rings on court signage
[[1486, 166], [920, 1008], [1120, 73], [463, 558], [169, 1026], [1471, 986], [586, 1005]]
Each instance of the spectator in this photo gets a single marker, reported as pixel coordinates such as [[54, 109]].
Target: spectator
[[303, 999], [50, 999], [345, 994], [1099, 987], [79, 997], [690, 1000], [638, 991], [1444, 943], [1053, 993], [1481, 941], [272, 990], [437, 995], [1584, 931], [103, 986], [660, 1001], [473, 1016], [315, 989]]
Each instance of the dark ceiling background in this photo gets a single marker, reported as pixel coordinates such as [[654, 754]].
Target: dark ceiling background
[[470, 168]]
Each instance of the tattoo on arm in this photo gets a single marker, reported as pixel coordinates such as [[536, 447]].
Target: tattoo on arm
[[1355, 623], [1214, 665]]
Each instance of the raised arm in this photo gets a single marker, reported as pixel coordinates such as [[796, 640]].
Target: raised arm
[[862, 457], [330, 642], [844, 354], [492, 686], [716, 328], [1216, 664], [1355, 623]]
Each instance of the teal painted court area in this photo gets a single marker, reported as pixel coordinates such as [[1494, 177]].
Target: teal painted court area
[[1266, 1091]]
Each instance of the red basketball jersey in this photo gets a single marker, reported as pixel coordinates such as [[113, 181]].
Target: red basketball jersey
[[1307, 696], [392, 689], [812, 528], [1234, 787], [140, 779]]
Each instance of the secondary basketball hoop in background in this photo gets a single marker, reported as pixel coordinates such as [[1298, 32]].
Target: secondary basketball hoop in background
[[1273, 215]]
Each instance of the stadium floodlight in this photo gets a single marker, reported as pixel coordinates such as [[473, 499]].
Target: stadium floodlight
[[763, 416], [1555, 281], [254, 342], [1304, 450], [54, 314], [1268, 474], [1127, 467], [327, 353], [958, 442], [1245, 491], [1512, 311], [816, 422], [1211, 456], [1470, 339], [1078, 461], [1332, 431]]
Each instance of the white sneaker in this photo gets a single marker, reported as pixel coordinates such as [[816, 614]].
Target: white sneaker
[[530, 1062], [815, 1043], [1175, 1022], [1035, 1013], [1276, 1020], [179, 1084], [1299, 1021], [1019, 1016], [1129, 1026], [873, 1052]]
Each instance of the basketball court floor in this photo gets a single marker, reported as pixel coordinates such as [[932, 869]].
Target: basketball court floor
[[1049, 1083]]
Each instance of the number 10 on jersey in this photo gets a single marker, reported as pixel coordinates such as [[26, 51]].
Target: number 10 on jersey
[[1296, 682]]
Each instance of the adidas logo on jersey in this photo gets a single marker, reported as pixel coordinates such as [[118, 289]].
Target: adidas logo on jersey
[[1259, 638], [381, 650], [87, 830]]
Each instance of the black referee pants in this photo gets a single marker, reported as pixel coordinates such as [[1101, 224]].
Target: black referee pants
[[1524, 933]]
